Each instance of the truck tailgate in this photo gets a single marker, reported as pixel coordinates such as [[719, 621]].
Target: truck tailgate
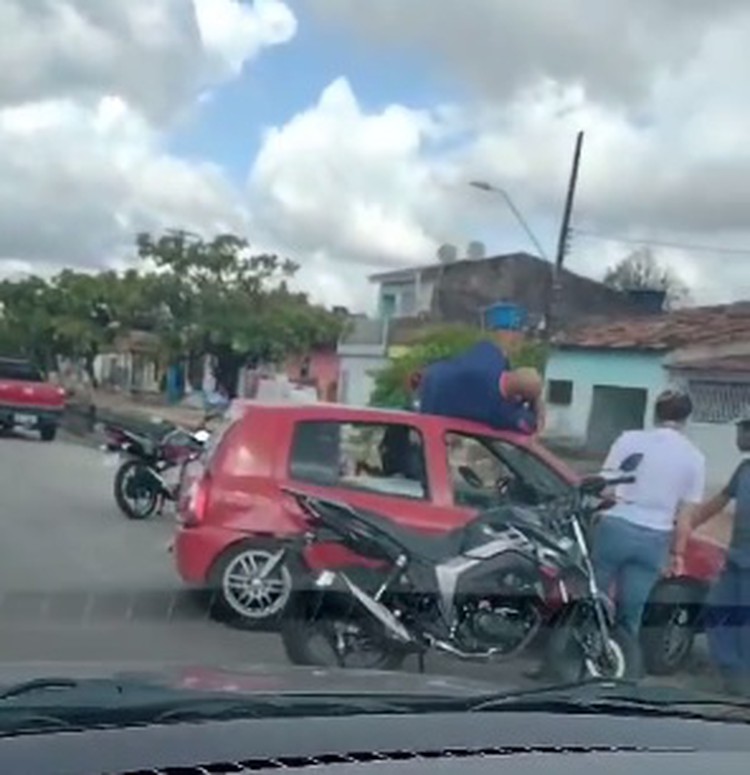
[[31, 395]]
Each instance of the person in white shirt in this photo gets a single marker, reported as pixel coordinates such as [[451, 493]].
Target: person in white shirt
[[635, 536]]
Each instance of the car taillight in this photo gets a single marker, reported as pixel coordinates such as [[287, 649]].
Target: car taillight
[[198, 503]]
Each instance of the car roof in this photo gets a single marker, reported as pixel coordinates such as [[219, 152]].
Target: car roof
[[321, 410]]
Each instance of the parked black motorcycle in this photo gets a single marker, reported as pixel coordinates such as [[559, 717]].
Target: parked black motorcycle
[[140, 486], [481, 592]]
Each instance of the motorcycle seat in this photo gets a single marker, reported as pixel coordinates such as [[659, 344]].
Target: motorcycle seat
[[417, 543]]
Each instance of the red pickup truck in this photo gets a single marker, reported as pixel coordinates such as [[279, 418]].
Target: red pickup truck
[[27, 400]]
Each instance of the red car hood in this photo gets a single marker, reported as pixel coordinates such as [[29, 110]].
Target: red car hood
[[31, 394]]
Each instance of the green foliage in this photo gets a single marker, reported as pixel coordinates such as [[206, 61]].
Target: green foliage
[[199, 296], [641, 271], [391, 383]]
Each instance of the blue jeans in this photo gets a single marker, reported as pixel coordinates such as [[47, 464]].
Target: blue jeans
[[728, 621], [631, 557]]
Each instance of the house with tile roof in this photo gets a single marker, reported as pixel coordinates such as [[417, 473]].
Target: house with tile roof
[[505, 293], [603, 378]]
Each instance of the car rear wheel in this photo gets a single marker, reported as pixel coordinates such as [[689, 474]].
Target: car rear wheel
[[240, 595]]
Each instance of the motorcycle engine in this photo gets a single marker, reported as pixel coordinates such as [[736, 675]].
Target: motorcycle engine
[[503, 620]]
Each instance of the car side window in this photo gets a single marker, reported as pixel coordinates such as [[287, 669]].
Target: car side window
[[475, 471], [386, 458], [486, 471], [535, 475]]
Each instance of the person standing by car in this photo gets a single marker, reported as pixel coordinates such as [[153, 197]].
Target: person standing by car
[[634, 537], [727, 625]]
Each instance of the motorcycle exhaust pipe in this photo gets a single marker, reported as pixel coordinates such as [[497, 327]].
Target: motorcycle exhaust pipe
[[449, 648], [390, 622]]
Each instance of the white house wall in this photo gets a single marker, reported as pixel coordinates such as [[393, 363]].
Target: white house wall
[[587, 368], [356, 380], [717, 442]]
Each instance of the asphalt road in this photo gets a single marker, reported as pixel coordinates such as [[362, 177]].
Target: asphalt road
[[80, 583]]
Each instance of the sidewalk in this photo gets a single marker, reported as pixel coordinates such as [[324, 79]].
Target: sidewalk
[[148, 413]]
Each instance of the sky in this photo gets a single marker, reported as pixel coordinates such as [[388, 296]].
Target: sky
[[343, 133]]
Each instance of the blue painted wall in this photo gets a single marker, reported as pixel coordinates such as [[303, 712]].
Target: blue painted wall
[[587, 368]]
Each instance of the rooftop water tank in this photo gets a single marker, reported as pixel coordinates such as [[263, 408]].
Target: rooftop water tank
[[505, 316]]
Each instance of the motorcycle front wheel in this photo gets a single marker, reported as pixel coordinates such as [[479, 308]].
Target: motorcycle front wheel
[[576, 653], [136, 494], [337, 638]]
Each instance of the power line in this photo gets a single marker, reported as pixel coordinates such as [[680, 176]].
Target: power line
[[663, 243]]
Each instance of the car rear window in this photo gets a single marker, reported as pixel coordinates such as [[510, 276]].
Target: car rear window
[[384, 458], [20, 370]]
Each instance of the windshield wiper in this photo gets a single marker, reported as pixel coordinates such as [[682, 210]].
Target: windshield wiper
[[617, 698], [224, 708], [92, 703]]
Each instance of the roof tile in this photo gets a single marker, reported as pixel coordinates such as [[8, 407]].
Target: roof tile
[[717, 324]]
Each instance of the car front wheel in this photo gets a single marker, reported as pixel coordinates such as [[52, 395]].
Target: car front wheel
[[241, 595], [669, 626]]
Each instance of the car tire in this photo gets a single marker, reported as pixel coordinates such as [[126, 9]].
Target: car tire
[[47, 432], [232, 602], [669, 626], [123, 503]]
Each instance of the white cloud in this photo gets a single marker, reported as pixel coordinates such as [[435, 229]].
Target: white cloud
[[356, 186], [85, 89], [158, 55], [233, 32], [659, 94], [88, 91]]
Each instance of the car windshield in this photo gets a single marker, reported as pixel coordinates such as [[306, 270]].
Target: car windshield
[[328, 330]]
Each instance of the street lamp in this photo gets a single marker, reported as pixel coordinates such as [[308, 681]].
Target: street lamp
[[489, 188]]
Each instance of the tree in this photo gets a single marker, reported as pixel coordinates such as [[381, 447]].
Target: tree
[[641, 271], [238, 307], [392, 383]]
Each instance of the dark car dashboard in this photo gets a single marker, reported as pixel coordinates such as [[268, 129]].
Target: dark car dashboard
[[482, 742]]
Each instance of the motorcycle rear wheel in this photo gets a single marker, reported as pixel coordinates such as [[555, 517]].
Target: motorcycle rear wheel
[[150, 502], [337, 639]]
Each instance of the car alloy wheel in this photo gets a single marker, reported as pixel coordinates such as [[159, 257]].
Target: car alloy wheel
[[249, 594]]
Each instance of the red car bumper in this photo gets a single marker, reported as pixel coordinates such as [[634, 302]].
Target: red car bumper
[[196, 548]]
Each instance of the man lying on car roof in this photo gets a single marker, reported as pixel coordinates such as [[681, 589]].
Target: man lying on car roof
[[479, 385]]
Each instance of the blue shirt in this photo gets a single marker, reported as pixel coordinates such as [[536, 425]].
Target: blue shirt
[[738, 490], [467, 387]]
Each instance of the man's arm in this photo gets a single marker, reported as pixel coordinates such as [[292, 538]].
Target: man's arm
[[693, 515], [617, 453]]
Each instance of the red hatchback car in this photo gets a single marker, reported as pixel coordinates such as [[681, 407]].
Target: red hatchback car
[[233, 512]]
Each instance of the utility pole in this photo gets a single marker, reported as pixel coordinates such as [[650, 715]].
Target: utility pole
[[553, 292]]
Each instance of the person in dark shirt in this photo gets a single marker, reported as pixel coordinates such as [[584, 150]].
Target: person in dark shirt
[[479, 385], [728, 624]]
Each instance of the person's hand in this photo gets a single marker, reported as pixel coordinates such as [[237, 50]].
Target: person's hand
[[676, 565]]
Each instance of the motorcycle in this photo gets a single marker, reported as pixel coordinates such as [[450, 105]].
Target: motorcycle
[[481, 592], [140, 486]]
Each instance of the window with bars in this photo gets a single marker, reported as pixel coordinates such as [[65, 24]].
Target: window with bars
[[718, 402]]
